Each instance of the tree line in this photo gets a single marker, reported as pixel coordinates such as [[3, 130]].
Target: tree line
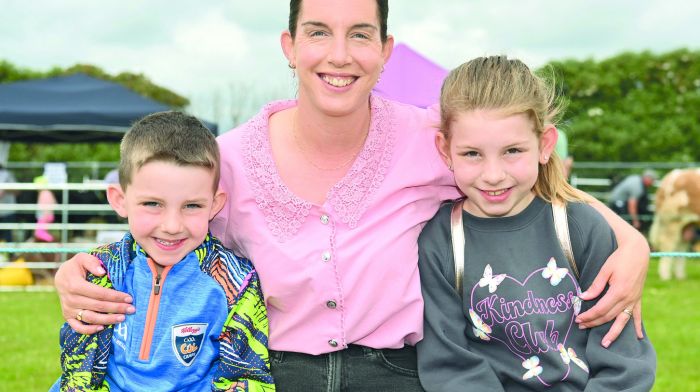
[[632, 107]]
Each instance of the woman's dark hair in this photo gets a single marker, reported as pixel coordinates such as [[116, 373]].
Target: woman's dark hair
[[382, 15]]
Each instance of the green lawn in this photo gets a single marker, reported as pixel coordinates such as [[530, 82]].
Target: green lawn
[[29, 338], [672, 320], [29, 341]]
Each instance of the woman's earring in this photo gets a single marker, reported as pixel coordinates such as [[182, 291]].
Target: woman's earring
[[293, 68], [379, 78]]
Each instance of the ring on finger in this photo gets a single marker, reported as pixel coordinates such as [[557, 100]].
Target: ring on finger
[[79, 317], [628, 312]]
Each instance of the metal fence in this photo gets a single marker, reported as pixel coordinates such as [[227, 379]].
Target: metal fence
[[80, 220], [81, 216], [64, 210], [597, 178]]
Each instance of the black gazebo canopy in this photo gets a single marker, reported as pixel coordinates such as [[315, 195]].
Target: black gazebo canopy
[[74, 108]]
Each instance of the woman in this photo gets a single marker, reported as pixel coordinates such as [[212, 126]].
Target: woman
[[327, 196]]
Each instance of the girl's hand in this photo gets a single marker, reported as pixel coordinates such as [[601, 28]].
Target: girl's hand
[[96, 305]]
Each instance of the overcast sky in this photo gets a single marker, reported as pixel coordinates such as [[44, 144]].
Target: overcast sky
[[209, 49]]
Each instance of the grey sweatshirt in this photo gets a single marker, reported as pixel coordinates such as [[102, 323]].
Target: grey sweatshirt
[[514, 329]]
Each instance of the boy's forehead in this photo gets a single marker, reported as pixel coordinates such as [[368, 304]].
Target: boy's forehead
[[167, 170]]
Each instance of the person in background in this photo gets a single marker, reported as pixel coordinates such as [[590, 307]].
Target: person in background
[[630, 197], [7, 196], [328, 194], [46, 201], [112, 176]]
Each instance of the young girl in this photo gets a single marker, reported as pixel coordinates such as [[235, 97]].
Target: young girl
[[511, 326]]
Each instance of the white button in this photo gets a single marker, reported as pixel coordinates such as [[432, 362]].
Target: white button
[[333, 343], [326, 256], [324, 219]]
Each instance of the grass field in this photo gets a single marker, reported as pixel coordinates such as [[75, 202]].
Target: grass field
[[29, 338]]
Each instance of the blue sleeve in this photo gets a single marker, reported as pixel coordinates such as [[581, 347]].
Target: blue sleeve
[[244, 362], [84, 357]]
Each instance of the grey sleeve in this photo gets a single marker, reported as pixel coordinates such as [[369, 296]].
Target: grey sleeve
[[629, 363], [636, 190], [445, 362], [631, 188]]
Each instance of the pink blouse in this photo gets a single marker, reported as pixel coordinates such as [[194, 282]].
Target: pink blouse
[[345, 271]]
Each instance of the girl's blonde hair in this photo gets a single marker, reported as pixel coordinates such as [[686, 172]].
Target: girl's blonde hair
[[508, 85]]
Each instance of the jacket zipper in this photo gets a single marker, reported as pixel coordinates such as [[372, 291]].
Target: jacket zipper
[[153, 304]]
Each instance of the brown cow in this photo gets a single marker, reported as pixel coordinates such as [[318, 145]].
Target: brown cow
[[676, 219]]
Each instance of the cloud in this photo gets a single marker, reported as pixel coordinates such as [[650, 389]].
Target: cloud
[[217, 48], [197, 51], [542, 30]]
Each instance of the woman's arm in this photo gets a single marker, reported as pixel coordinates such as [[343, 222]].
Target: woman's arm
[[625, 271], [100, 306]]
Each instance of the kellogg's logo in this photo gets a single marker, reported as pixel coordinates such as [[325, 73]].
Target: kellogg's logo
[[187, 340]]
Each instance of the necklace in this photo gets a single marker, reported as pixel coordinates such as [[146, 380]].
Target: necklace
[[357, 149]]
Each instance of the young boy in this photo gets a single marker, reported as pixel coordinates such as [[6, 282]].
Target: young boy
[[200, 321]]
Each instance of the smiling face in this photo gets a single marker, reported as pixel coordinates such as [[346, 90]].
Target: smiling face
[[168, 208], [495, 159], [338, 54]]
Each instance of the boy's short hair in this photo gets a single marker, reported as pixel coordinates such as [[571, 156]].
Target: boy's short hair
[[168, 137]]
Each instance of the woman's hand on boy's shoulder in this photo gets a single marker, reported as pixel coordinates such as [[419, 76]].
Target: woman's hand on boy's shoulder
[[95, 306]]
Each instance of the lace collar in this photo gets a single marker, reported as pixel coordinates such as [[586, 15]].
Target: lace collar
[[349, 198]]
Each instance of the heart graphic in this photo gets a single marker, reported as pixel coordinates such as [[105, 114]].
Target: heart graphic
[[532, 317]]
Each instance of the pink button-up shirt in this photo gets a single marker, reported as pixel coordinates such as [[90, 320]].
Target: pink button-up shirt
[[345, 271]]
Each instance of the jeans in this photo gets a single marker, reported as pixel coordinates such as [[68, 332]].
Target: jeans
[[356, 368]]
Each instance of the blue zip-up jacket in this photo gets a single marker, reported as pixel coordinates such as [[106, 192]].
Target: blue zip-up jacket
[[199, 325]]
